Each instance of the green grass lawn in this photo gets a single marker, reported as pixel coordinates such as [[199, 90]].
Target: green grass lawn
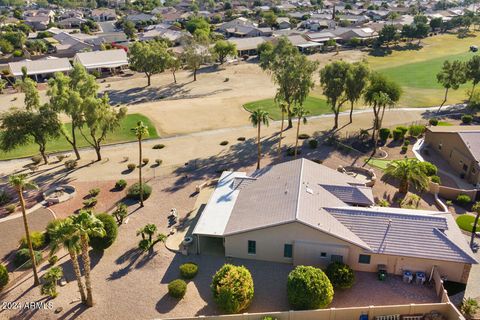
[[444, 124], [316, 106], [121, 134], [378, 163], [465, 222]]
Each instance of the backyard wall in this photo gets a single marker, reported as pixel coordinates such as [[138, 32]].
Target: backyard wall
[[451, 193]]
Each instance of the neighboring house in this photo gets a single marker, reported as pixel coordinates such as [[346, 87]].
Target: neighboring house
[[38, 22], [103, 14], [303, 213], [304, 45], [360, 33], [247, 46], [318, 24], [139, 18], [73, 22], [69, 44], [283, 23], [40, 69], [247, 32], [321, 37], [460, 146], [106, 60], [162, 31], [238, 22]]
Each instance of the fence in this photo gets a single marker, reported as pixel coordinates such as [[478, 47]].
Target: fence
[[450, 193]]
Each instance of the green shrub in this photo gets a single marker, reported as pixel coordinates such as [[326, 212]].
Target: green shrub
[[463, 199], [433, 122], [340, 275], [383, 203], [120, 184], [159, 146], [11, 208], [111, 230], [291, 151], [269, 318], [467, 119], [53, 260], [404, 149], [384, 133], [224, 143], [188, 270], [158, 162], [5, 197], [70, 164], [22, 258], [145, 161], [17, 53], [429, 168], [469, 307], [37, 159], [406, 142], [134, 191], [449, 203], [403, 129], [232, 288], [131, 166], [90, 202], [308, 288], [416, 130], [313, 144], [37, 238], [94, 192], [241, 139], [303, 136], [3, 276], [436, 179], [397, 134], [177, 288]]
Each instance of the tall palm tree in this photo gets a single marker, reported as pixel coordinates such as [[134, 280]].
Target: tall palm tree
[[283, 108], [86, 224], [19, 183], [141, 131], [63, 234], [257, 118], [408, 171], [301, 114]]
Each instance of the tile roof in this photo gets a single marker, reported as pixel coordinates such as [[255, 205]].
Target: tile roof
[[41, 66], [102, 59]]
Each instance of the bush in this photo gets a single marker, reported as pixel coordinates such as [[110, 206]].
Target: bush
[[11, 208], [224, 143], [397, 134], [52, 260], [37, 159], [303, 136], [433, 122], [463, 199], [429, 168], [94, 192], [383, 203], [134, 191], [313, 144], [37, 238], [403, 129], [416, 130], [22, 258], [120, 184], [232, 288], [159, 146], [467, 119], [189, 270], [340, 275], [17, 53], [291, 151], [90, 202], [309, 288], [177, 288], [406, 142], [158, 162], [241, 139], [5, 197], [384, 133], [131, 166], [70, 164], [404, 149], [3, 276], [469, 307], [436, 179], [111, 230], [145, 161]]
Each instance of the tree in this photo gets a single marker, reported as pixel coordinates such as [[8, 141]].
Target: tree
[[451, 76], [149, 57], [147, 233], [111, 230], [86, 224], [283, 109], [196, 23], [63, 234], [222, 49], [50, 280], [301, 114], [100, 118], [387, 34], [407, 171], [333, 79], [409, 31], [340, 275], [19, 183], [29, 88], [356, 82], [476, 209], [129, 29], [174, 63], [421, 31], [141, 131], [435, 23], [270, 19], [308, 288], [472, 72], [420, 19], [257, 118], [195, 54]]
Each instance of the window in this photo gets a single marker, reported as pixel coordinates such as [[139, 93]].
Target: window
[[439, 146], [252, 247], [465, 167], [336, 258], [364, 258], [287, 251], [323, 254]]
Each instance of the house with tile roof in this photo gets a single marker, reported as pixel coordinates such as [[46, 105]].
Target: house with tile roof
[[304, 213]]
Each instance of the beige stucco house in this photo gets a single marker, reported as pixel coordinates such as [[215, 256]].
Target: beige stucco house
[[460, 146], [304, 213]]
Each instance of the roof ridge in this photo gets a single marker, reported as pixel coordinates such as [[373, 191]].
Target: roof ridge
[[299, 189]]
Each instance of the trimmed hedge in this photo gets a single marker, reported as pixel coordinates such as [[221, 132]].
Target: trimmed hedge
[[23, 256], [188, 270], [467, 119], [177, 288], [309, 288], [340, 275], [384, 133], [463, 199], [134, 191], [433, 122], [232, 288], [111, 231], [3, 276]]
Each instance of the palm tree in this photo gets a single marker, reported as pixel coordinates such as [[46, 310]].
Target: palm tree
[[86, 224], [141, 131], [19, 183], [408, 171], [283, 108], [63, 234], [301, 113], [258, 117], [476, 208]]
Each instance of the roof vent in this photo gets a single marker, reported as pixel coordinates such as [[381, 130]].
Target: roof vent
[[309, 190]]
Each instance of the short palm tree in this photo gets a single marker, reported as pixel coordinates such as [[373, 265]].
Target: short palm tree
[[141, 131], [257, 118], [407, 171], [301, 114], [63, 234], [283, 109], [51, 278], [86, 224], [19, 183]]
